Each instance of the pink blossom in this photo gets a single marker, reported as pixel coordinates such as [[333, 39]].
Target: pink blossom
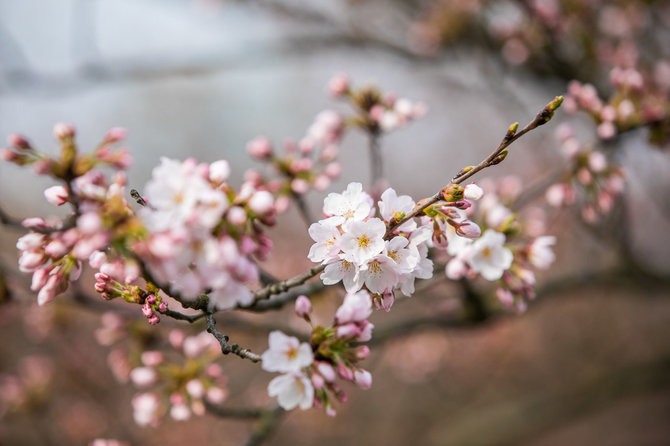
[[356, 307], [143, 376], [145, 409], [363, 378]]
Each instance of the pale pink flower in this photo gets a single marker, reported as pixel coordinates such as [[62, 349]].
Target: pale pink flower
[[62, 130], [540, 253], [345, 271], [393, 206], [338, 85], [489, 256], [326, 235], [355, 308], [363, 239], [353, 203], [292, 391], [286, 354], [380, 274]]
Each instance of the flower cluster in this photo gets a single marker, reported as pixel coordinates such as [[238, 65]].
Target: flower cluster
[[376, 112], [201, 232], [311, 162], [509, 248], [638, 100], [310, 371], [590, 178], [178, 382], [27, 388], [351, 243]]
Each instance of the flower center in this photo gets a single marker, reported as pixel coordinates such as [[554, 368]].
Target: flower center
[[486, 253], [363, 241]]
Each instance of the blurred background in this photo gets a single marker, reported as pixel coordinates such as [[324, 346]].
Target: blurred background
[[589, 363]]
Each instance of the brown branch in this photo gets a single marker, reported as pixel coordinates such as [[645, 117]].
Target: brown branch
[[285, 285], [190, 318], [227, 348], [235, 412]]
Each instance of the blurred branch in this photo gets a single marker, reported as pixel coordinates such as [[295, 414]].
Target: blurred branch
[[266, 425], [303, 209], [190, 318], [376, 160]]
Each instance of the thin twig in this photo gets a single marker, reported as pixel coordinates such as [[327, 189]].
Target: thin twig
[[494, 158], [285, 285], [279, 301], [227, 348], [190, 318]]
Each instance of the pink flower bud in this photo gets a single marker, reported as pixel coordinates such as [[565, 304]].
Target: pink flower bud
[[18, 141], [473, 192], [348, 331], [236, 215], [195, 388], [363, 378], [162, 307], [57, 195], [147, 311], [606, 130], [153, 320], [8, 155], [261, 202], [215, 395], [151, 299], [326, 370], [362, 352], [219, 171], [97, 259], [282, 204], [116, 134], [505, 297], [317, 381], [151, 358], [62, 131], [143, 376], [299, 186], [89, 222], [597, 161], [259, 148], [176, 338], [338, 85], [333, 170], [345, 372], [303, 307], [469, 229]]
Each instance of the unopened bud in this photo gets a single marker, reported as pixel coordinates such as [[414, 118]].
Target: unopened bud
[[452, 192]]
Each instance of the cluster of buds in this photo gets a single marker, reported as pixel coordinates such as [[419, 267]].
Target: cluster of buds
[[590, 177], [376, 112], [201, 232], [54, 250], [309, 163], [310, 370], [637, 100], [152, 303], [354, 246]]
